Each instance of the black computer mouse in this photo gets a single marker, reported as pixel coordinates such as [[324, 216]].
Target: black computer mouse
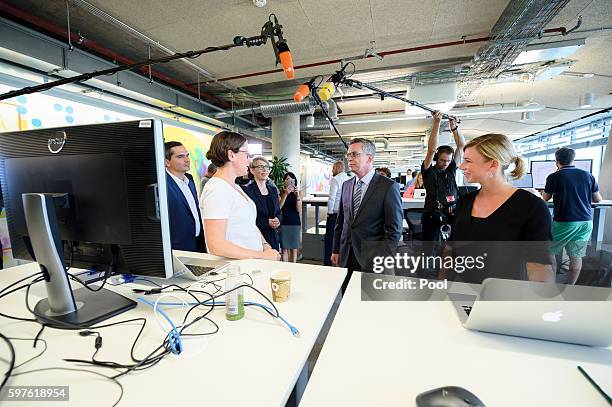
[[450, 396]]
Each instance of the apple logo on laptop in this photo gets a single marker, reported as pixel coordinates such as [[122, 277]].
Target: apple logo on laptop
[[552, 316]]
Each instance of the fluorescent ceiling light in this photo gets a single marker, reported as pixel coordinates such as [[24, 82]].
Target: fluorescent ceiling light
[[548, 51]]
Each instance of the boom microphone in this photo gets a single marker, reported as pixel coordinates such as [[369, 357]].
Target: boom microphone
[[327, 89], [272, 29], [303, 91]]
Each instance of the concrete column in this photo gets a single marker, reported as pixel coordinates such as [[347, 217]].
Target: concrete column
[[286, 140]]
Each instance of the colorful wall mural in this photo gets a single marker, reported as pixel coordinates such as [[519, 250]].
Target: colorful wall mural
[[315, 174]]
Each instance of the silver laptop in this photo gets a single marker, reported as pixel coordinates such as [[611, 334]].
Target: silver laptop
[[419, 194], [192, 268], [555, 312]]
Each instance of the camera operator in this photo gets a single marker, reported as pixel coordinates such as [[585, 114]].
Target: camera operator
[[440, 183]]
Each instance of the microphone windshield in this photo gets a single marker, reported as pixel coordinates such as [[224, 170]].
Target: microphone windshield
[[302, 92], [326, 91], [285, 59]]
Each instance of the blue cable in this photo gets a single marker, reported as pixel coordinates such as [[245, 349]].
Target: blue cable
[[293, 329], [174, 337]]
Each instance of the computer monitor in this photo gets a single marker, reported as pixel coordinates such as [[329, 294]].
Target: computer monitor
[[526, 181], [92, 197], [542, 169]]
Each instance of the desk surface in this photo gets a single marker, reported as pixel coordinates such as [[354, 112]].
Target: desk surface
[[255, 361], [386, 353]]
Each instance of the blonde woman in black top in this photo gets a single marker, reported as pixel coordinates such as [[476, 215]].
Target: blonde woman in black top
[[501, 214]]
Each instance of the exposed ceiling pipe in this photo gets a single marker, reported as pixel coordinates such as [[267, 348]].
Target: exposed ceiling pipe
[[320, 124], [273, 109], [104, 51], [462, 41]]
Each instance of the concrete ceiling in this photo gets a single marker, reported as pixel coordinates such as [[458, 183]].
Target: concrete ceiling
[[323, 30]]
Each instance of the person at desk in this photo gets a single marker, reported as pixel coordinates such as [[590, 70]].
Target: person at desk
[[186, 231], [417, 184], [573, 189], [439, 180], [229, 214], [370, 211], [265, 197], [499, 212], [333, 204]]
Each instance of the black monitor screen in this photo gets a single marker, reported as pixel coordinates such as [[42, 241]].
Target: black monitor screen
[[96, 183], [110, 172]]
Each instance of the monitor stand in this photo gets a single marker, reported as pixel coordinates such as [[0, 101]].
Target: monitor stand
[[63, 308]]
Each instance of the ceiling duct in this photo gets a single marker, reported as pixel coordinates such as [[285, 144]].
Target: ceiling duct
[[282, 109], [273, 109], [332, 110], [320, 124]]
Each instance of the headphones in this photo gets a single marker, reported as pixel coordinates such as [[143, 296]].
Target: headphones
[[435, 157]]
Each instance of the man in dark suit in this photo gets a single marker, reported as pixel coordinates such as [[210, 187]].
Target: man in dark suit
[[370, 213], [186, 229]]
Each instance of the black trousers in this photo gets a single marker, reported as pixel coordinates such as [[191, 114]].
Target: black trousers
[[352, 264], [330, 224]]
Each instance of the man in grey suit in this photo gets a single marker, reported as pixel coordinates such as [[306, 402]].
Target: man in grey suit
[[370, 213]]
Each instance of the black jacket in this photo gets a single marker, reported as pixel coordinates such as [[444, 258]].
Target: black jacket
[[264, 213]]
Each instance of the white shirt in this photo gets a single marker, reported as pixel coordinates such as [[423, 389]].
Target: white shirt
[[366, 182], [183, 185], [221, 200], [335, 191]]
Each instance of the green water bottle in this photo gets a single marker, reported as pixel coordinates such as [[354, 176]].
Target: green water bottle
[[234, 301]]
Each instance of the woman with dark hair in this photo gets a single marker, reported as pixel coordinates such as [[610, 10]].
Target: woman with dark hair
[[228, 213], [290, 203], [265, 197]]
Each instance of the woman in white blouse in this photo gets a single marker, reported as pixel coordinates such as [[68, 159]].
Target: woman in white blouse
[[227, 212]]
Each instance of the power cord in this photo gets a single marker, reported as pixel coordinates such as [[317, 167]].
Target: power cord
[[11, 360]]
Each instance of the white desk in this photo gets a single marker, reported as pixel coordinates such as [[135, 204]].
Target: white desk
[[386, 353], [252, 362]]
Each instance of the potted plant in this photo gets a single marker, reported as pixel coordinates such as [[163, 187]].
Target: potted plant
[[279, 167]]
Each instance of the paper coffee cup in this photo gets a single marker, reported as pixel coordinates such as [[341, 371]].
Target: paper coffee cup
[[280, 282]]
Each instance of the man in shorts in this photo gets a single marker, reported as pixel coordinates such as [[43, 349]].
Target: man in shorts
[[573, 191]]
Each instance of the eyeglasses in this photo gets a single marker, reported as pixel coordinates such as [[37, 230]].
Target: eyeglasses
[[245, 151], [262, 167], [353, 154]]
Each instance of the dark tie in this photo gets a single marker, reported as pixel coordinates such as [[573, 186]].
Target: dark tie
[[357, 197]]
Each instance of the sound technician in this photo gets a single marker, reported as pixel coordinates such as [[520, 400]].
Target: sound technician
[[439, 180]]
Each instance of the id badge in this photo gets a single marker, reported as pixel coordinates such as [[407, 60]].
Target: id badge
[[450, 198]]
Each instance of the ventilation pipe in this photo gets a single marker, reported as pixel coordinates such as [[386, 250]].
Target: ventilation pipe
[[319, 125], [274, 109]]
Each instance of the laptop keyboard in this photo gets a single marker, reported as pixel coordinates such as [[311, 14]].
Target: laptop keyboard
[[467, 309], [198, 270]]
